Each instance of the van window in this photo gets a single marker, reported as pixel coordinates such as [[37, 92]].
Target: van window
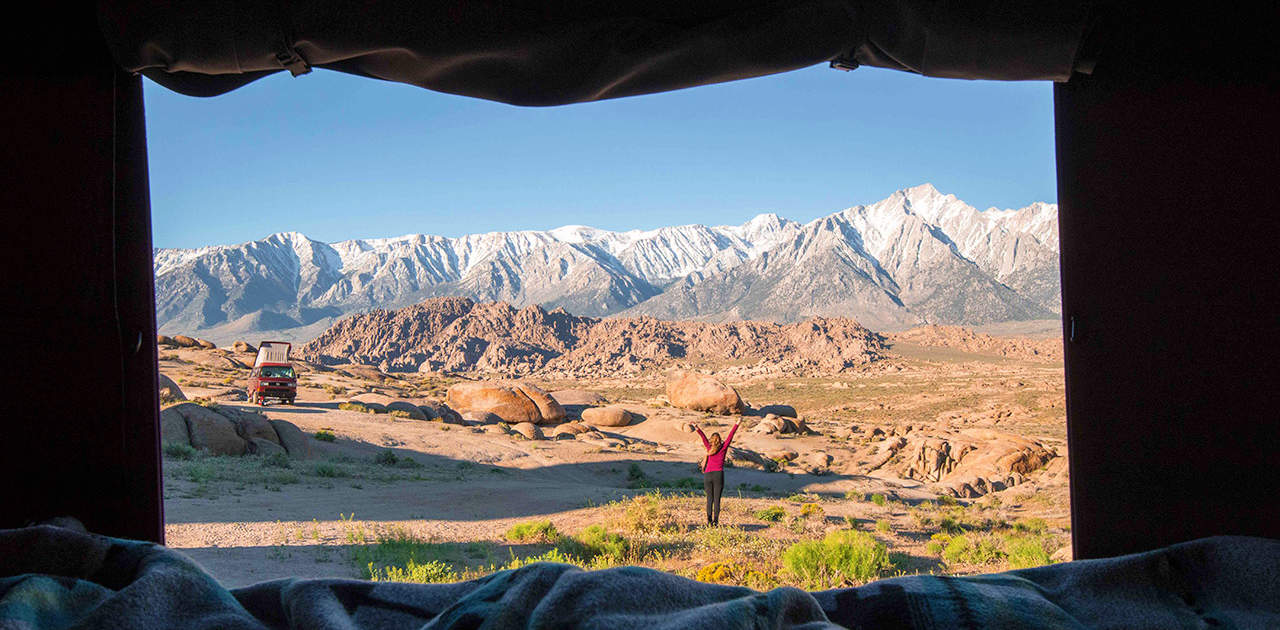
[[277, 371]]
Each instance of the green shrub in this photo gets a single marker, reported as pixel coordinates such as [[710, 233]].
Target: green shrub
[[937, 543], [325, 435], [973, 549], [430, 572], [843, 557], [597, 542], [179, 451], [354, 406], [1025, 551], [330, 470], [946, 499], [883, 525], [771, 514], [533, 531], [277, 460], [811, 510], [399, 413], [387, 457], [879, 499], [1032, 526]]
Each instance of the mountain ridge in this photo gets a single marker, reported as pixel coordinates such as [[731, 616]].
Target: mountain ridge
[[918, 256]]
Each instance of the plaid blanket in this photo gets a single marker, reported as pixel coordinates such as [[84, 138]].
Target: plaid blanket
[[57, 578]]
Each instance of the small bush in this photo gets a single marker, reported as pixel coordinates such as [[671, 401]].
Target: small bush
[[937, 543], [721, 573], [596, 542], [647, 514], [879, 499], [973, 549], [843, 557], [399, 413], [179, 451], [771, 514], [430, 572], [387, 457], [277, 460], [811, 510], [1032, 526], [1025, 551], [325, 435], [883, 525], [330, 470], [533, 531], [354, 406], [946, 499], [797, 525]]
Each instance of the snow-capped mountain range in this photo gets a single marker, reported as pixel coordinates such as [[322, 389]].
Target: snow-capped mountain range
[[917, 256]]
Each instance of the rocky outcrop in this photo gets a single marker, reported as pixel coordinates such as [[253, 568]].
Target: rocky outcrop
[[230, 431], [527, 430], [183, 341], [406, 407], [435, 410], [771, 424], [513, 402], [699, 392], [607, 417], [169, 390], [244, 347], [458, 335]]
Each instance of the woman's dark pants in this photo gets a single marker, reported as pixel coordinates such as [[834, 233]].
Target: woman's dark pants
[[713, 482]]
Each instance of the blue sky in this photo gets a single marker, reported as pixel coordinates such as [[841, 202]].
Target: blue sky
[[337, 157]]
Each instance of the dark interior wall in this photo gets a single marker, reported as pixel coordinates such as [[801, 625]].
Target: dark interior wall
[[79, 413], [1169, 192]]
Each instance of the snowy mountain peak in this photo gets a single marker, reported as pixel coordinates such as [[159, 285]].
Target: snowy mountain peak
[[915, 239]]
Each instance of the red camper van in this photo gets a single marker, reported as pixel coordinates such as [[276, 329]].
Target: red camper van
[[273, 375]]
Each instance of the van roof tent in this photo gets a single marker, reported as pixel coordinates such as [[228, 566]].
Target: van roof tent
[[272, 352], [1166, 160]]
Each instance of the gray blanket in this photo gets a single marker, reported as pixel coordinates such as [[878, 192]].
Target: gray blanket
[[57, 578]]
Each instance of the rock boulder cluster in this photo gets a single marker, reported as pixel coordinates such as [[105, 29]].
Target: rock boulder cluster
[[227, 431], [458, 335]]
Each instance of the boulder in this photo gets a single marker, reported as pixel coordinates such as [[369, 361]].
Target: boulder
[[165, 340], [686, 427], [210, 430], [169, 389], [439, 411], [782, 456], [574, 401], [512, 402], [251, 426], [481, 417], [562, 432], [607, 417], [746, 458], [407, 407], [816, 463], [173, 427], [183, 341], [244, 347], [550, 410], [699, 392], [529, 430], [206, 344], [292, 439], [264, 448], [786, 411], [493, 429]]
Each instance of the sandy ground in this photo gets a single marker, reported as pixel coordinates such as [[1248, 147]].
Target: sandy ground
[[471, 486]]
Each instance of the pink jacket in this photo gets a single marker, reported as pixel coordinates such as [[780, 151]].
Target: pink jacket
[[715, 461]]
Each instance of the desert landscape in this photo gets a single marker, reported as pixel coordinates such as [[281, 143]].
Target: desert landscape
[[452, 438]]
